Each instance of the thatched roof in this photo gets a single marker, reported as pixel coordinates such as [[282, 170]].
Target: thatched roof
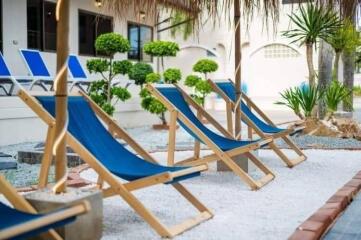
[[214, 9]]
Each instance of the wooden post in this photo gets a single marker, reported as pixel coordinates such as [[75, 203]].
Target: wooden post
[[62, 49], [237, 62]]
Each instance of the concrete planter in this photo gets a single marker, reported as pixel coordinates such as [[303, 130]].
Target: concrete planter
[[87, 226], [241, 160]]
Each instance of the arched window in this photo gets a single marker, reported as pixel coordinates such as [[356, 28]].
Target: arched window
[[279, 51]]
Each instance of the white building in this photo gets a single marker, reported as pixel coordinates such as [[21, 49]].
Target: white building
[[270, 63]]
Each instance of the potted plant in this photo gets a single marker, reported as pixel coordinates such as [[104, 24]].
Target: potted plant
[[160, 49], [153, 105], [103, 92], [200, 85]]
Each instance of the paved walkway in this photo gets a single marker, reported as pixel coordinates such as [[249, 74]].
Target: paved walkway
[[348, 225]]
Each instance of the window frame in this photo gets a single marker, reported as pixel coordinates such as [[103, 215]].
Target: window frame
[[139, 25], [94, 14], [42, 47]]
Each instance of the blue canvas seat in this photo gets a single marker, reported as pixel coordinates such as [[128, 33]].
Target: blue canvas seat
[[80, 79], [223, 144], [96, 145], [8, 82], [23, 222], [37, 68], [88, 130], [258, 122]]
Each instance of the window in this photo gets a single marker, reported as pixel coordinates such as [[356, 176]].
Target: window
[[41, 24], [279, 51], [138, 35], [92, 25]]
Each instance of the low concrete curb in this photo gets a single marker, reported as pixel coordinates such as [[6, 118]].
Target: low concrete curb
[[323, 219]]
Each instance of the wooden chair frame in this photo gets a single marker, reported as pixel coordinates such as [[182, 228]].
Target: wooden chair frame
[[218, 154], [230, 107], [21, 204], [124, 190]]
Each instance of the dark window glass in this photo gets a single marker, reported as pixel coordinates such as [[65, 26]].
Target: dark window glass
[[90, 27], [41, 24], [34, 21], [49, 26], [139, 35]]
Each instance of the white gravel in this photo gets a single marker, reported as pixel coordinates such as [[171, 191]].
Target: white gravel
[[270, 213]]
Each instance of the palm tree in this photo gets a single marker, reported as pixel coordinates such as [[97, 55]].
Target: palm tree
[[344, 39], [326, 55], [312, 23]]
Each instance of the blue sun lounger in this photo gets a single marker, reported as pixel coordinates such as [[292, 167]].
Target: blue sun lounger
[[88, 137], [37, 68], [8, 82], [22, 221], [258, 121], [78, 74], [224, 146]]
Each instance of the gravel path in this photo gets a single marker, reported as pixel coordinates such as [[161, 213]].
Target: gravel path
[[270, 213]]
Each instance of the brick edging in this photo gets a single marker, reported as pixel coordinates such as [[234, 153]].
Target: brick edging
[[74, 179], [324, 218]]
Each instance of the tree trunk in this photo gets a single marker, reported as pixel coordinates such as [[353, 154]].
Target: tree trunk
[[336, 67], [326, 55], [311, 69], [348, 59], [237, 61], [62, 49]]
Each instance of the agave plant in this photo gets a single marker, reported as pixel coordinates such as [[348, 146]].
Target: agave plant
[[335, 94], [291, 100], [308, 98]]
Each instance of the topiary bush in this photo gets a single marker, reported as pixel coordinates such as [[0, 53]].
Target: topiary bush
[[200, 86], [172, 75], [139, 72], [103, 92], [161, 49], [111, 43], [205, 66]]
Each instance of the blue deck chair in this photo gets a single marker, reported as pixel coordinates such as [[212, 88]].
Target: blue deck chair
[[88, 137], [80, 79], [37, 68], [258, 121], [8, 82], [21, 221], [224, 146]]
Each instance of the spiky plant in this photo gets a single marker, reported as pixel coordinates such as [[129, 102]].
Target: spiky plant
[[312, 23]]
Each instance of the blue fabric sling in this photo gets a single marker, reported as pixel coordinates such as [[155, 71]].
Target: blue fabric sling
[[10, 217], [229, 89], [75, 67], [35, 63], [85, 126], [177, 99]]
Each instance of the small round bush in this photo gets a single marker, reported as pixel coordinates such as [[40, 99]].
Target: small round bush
[[97, 65], [205, 66], [192, 80], [172, 75], [203, 87], [111, 43], [122, 67], [139, 72], [153, 78], [161, 48], [122, 93]]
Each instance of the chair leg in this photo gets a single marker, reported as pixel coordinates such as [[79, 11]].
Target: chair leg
[[154, 222], [289, 162], [252, 183]]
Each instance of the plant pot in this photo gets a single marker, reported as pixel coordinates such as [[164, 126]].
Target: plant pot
[[162, 126]]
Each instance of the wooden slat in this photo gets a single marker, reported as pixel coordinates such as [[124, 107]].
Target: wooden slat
[[47, 157]]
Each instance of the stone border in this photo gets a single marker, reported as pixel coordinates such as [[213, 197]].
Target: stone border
[[74, 179], [325, 217]]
